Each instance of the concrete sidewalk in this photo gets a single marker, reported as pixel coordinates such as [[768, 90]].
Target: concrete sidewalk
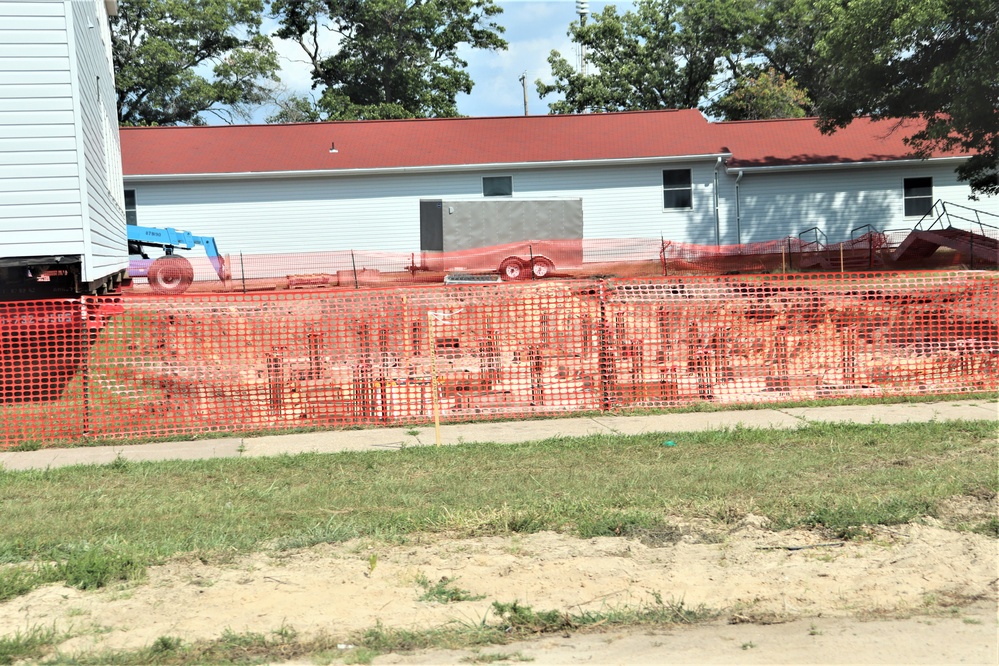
[[380, 439]]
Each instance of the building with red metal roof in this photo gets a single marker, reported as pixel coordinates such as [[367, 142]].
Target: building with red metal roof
[[654, 174]]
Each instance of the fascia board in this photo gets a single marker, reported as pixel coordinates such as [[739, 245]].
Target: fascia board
[[449, 168], [784, 168]]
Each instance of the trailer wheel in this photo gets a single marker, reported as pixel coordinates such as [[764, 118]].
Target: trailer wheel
[[170, 275], [542, 267], [513, 268]]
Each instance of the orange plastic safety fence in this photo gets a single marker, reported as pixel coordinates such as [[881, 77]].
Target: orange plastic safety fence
[[160, 366], [560, 258]]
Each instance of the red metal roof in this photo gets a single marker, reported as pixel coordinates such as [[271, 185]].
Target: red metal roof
[[399, 144]]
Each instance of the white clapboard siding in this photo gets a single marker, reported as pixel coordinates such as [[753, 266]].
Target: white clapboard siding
[[381, 212], [839, 201], [59, 159]]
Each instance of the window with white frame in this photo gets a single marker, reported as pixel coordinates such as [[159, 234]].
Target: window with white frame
[[678, 192], [917, 194], [497, 186]]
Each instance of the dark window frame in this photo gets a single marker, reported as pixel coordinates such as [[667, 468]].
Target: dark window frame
[[678, 189], [492, 191], [131, 210], [917, 196]]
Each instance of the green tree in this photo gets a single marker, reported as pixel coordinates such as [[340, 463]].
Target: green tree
[[767, 94], [393, 58], [178, 60], [785, 39], [664, 54], [932, 60]]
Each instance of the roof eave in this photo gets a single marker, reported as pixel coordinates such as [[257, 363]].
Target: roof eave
[[777, 168], [443, 168]]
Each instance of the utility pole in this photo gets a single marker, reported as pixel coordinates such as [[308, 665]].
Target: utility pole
[[583, 9], [523, 84]]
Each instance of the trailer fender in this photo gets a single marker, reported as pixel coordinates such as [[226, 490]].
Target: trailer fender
[[542, 267], [513, 268]]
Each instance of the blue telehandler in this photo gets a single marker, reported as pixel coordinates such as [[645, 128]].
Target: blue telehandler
[[170, 274]]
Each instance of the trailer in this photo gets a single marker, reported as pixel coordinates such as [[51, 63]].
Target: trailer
[[516, 238]]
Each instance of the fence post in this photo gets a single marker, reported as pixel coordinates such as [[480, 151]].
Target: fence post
[[85, 350], [354, 266], [242, 271], [603, 354]]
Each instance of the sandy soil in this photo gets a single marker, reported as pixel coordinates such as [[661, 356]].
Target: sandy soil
[[916, 593]]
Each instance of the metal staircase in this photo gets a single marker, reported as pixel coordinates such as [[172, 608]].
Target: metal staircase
[[957, 227]]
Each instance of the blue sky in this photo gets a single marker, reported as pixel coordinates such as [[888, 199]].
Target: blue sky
[[533, 29]]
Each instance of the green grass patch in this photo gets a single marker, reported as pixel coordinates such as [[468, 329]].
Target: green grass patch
[[26, 645], [444, 591], [100, 524]]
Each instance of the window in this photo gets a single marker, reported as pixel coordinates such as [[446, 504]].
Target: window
[[497, 186], [918, 196], [677, 190], [130, 215]]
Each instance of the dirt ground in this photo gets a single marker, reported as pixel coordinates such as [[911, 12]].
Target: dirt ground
[[916, 593]]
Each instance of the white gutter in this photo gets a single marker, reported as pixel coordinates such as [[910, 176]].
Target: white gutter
[[840, 165], [717, 218], [738, 210], [444, 168]]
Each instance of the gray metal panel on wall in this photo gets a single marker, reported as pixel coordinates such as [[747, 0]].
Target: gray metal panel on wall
[[471, 224], [431, 226]]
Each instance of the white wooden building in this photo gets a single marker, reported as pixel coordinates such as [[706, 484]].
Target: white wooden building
[[657, 174], [61, 192]]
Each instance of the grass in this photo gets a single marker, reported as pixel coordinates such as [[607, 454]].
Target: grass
[[444, 591], [30, 644], [512, 622], [830, 475], [95, 526]]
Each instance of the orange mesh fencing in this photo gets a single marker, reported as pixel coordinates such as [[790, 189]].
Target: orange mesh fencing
[[566, 258], [144, 366]]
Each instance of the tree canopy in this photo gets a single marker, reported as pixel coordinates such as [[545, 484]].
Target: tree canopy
[[934, 60], [663, 54], [178, 60], [392, 58]]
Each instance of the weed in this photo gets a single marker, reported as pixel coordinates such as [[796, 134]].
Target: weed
[[31, 644], [813, 630], [166, 644], [444, 591], [971, 620], [413, 432], [372, 563], [989, 528], [94, 568], [748, 645]]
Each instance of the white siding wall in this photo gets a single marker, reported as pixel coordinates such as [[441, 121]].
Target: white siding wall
[[97, 136], [40, 199], [840, 200], [60, 165], [383, 212]]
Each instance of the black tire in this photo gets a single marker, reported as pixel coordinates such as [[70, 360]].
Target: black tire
[[513, 268], [542, 267], [170, 275]]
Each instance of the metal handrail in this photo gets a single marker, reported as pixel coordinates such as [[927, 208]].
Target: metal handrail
[[820, 245], [870, 230], [945, 215]]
